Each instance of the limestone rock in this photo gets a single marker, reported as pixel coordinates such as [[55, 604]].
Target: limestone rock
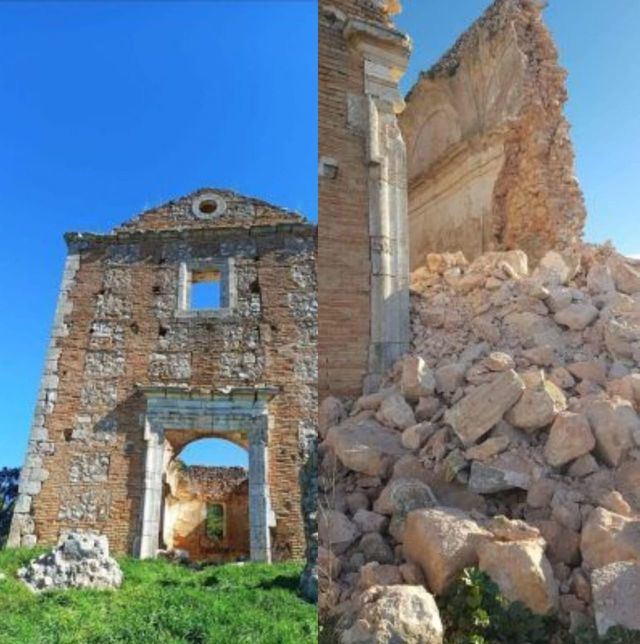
[[626, 277], [488, 448], [577, 316], [616, 596], [522, 572], [393, 614], [402, 495], [554, 269], [416, 436], [615, 424], [450, 377], [506, 472], [569, 438], [600, 280], [337, 532], [395, 412], [417, 380], [608, 537], [368, 521], [442, 541], [498, 361], [376, 574], [479, 411], [330, 413], [329, 565], [538, 406], [365, 446], [80, 560], [374, 548]]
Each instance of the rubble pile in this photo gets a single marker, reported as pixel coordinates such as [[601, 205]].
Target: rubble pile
[[509, 439], [80, 560]]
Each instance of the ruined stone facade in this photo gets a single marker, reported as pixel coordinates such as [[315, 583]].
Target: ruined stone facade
[[489, 155], [192, 491], [488, 165], [362, 237], [135, 371]]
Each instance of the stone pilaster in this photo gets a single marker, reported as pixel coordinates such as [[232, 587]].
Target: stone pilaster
[[385, 52]]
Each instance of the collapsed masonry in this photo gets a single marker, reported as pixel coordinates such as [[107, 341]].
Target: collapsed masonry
[[206, 513], [195, 319], [508, 439], [490, 162]]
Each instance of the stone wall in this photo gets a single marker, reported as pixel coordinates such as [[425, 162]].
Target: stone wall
[[192, 489], [363, 283], [489, 155], [118, 327]]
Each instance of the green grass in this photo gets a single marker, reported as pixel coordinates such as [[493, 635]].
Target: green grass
[[162, 603]]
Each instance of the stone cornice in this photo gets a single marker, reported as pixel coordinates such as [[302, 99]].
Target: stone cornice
[[87, 240], [357, 30]]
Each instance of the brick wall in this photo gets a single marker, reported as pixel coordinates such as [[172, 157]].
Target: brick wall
[[117, 327]]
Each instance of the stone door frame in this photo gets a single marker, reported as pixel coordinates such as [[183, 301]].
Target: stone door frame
[[210, 412]]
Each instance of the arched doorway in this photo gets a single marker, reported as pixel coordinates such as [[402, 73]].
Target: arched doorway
[[177, 415], [206, 498]]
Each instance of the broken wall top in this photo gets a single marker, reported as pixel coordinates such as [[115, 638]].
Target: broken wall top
[[489, 155]]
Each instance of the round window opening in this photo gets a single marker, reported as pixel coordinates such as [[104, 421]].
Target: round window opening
[[208, 206]]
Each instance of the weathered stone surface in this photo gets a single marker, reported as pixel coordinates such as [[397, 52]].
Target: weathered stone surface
[[486, 168], [395, 412], [403, 495], [375, 548], [600, 280], [450, 377], [498, 361], [369, 521], [330, 413], [569, 438], [80, 560], [554, 269], [393, 614], [337, 532], [522, 572], [365, 446], [416, 436], [577, 316], [608, 537], [499, 475], [615, 425], [442, 541], [376, 574], [488, 448], [616, 596], [625, 276], [417, 380], [481, 410], [538, 406]]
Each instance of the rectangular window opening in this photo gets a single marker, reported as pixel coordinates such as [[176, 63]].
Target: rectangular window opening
[[215, 521], [205, 290]]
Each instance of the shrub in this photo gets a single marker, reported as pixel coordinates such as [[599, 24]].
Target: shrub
[[474, 612], [8, 493]]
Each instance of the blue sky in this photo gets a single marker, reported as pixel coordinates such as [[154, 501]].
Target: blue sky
[[108, 108], [598, 45]]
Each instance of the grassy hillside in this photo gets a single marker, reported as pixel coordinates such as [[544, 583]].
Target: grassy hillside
[[161, 603]]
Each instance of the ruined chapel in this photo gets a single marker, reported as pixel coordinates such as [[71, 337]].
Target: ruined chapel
[[477, 157], [194, 319]]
